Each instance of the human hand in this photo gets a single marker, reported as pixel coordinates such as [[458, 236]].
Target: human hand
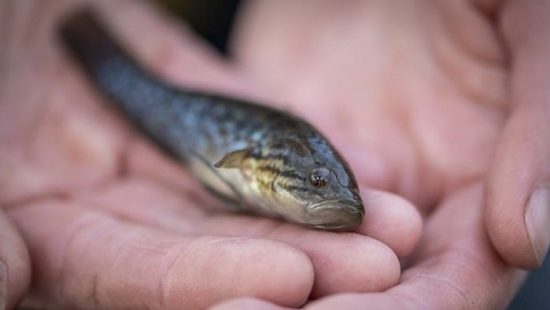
[[419, 92], [109, 222]]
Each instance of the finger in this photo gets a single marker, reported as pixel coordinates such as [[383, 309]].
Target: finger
[[15, 267], [392, 220], [518, 188], [456, 267], [86, 259], [345, 261]]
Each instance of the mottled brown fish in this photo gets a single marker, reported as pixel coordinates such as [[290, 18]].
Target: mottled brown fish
[[262, 160]]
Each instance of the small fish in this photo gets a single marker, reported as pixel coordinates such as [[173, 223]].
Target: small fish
[[258, 159]]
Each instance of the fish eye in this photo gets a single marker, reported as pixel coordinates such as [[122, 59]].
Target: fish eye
[[319, 176]]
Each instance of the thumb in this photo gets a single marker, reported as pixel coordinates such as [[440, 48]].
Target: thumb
[[14, 265], [518, 189]]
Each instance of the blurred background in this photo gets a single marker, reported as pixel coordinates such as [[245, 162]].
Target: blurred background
[[213, 20]]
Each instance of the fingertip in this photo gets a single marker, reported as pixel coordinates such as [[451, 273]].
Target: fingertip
[[389, 268], [287, 273], [507, 231], [360, 264], [392, 220], [388, 272]]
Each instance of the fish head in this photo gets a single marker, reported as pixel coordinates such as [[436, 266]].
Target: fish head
[[316, 188], [306, 183]]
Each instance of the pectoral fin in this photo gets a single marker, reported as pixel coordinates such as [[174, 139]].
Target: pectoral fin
[[232, 159], [215, 182]]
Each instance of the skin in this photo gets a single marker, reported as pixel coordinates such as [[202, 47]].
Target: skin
[[399, 139]]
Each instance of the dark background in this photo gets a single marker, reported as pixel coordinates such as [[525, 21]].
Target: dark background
[[535, 293], [213, 19]]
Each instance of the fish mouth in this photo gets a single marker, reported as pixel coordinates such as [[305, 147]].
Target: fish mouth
[[335, 215]]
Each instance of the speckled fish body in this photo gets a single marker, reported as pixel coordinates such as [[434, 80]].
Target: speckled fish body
[[262, 160]]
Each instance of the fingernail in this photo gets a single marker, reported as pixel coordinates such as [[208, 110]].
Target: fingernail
[[3, 286], [537, 220]]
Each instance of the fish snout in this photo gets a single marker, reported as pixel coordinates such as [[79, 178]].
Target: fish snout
[[340, 215]]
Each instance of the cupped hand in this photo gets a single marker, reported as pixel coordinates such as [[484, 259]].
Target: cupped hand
[[421, 94], [104, 220]]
